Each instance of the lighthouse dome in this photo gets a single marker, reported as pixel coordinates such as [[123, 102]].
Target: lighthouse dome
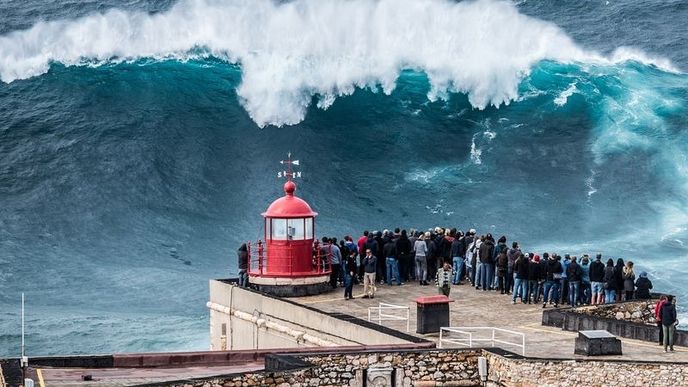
[[289, 206]]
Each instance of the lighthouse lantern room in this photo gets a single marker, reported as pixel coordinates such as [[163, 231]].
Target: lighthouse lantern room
[[288, 263]]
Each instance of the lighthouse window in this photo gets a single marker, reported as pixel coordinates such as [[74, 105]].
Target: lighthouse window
[[295, 229], [309, 227], [279, 229]]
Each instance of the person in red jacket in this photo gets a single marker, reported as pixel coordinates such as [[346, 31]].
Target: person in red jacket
[[658, 317], [361, 248]]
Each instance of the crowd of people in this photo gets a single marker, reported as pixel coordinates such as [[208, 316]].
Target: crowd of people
[[449, 257]]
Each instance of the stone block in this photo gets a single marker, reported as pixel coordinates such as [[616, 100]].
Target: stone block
[[597, 343]]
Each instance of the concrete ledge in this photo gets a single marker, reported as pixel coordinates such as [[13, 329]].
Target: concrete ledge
[[570, 320]]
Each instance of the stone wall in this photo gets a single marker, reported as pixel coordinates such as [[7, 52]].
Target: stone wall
[[640, 311], [526, 373], [452, 368], [458, 367]]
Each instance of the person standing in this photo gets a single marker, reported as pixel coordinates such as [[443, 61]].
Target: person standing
[[534, 279], [597, 280], [369, 270], [574, 275], [512, 255], [618, 279], [521, 268], [443, 279], [658, 317], [242, 265], [390, 253], [331, 254], [349, 273], [669, 323], [403, 248], [552, 280], [609, 283], [457, 258], [502, 264], [586, 286], [486, 253], [421, 249], [431, 255], [564, 278], [629, 280]]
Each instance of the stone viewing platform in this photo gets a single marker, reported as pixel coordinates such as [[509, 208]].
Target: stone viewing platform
[[477, 308]]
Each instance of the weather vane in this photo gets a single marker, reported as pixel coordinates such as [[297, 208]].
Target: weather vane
[[289, 173]]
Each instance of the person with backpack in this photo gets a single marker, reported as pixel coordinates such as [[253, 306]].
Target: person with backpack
[[443, 279], [574, 275]]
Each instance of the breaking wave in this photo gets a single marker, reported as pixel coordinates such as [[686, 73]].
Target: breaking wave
[[294, 52]]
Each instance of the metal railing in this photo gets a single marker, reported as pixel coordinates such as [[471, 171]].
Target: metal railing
[[382, 316], [258, 260], [468, 338]]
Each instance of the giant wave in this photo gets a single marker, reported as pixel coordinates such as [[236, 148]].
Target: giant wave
[[294, 51]]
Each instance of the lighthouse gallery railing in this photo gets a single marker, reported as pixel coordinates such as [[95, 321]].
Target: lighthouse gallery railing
[[258, 260]]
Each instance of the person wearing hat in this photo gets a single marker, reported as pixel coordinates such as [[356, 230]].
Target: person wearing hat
[[643, 286]]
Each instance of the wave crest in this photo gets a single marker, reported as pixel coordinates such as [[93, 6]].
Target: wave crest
[[291, 52]]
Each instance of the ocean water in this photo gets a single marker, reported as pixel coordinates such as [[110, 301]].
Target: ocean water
[[140, 140]]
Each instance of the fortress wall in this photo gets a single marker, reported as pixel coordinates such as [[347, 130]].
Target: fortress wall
[[531, 373], [454, 367], [256, 321]]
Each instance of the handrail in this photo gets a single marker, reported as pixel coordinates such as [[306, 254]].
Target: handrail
[[471, 339], [390, 317], [258, 261]]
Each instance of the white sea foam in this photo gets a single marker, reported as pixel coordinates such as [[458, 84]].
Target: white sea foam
[[563, 97], [292, 51]]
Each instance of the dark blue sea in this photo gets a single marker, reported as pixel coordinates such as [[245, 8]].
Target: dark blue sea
[[140, 141]]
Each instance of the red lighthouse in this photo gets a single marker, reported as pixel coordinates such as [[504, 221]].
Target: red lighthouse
[[288, 263]]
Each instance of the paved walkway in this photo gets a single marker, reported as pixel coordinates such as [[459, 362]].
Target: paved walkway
[[474, 308], [106, 377]]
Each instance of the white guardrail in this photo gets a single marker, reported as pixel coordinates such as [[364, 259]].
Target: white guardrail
[[383, 310], [468, 337]]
